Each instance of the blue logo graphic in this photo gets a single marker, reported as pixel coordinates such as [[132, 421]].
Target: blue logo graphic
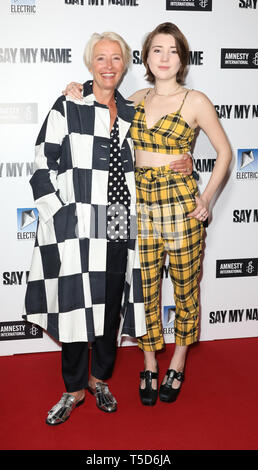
[[23, 2], [247, 160], [27, 220], [168, 319]]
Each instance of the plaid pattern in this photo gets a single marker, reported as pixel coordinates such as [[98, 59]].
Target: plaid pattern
[[170, 135], [67, 281], [164, 199]]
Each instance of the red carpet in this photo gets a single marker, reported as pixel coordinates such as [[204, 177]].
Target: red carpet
[[216, 409]]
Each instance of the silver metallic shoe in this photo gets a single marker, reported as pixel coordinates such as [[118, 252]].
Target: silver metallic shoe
[[62, 410], [104, 398]]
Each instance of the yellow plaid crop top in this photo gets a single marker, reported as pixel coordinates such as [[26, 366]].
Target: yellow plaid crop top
[[171, 134]]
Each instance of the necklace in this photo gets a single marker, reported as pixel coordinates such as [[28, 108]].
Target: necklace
[[169, 94]]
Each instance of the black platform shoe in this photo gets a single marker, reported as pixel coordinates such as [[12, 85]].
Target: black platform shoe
[[166, 392], [148, 395]]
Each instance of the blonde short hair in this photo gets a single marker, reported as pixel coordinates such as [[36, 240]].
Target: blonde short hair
[[96, 37]]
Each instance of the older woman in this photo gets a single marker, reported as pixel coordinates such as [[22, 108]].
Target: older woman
[[170, 211], [85, 265]]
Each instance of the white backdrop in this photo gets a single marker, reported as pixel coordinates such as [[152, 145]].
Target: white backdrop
[[41, 48]]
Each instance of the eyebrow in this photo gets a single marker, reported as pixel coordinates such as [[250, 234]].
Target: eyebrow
[[171, 47], [104, 53]]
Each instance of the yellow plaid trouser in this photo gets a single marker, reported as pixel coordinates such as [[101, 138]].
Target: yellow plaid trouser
[[164, 199]]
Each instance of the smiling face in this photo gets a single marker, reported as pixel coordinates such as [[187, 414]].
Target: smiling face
[[163, 59], [107, 65]]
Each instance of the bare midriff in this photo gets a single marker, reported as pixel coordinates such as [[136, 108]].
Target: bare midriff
[[154, 159]]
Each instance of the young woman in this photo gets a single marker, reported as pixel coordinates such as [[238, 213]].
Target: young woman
[[170, 210]]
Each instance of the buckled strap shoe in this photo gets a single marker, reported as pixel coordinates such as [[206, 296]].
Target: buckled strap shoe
[[63, 409], [105, 401], [166, 392], [148, 395]]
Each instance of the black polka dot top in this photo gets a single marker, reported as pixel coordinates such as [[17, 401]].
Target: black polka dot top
[[118, 215]]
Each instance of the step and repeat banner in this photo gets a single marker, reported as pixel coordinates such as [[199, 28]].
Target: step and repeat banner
[[41, 50]]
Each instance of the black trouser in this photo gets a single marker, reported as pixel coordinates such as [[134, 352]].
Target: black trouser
[[75, 356]]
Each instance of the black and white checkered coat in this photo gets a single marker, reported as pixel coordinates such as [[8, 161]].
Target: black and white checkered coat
[[66, 286]]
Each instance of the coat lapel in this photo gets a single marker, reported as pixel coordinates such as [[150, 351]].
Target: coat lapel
[[125, 111]]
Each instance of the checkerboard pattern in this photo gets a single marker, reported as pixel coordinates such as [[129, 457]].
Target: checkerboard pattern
[[66, 286]]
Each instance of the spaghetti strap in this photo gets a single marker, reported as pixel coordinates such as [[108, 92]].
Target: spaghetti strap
[[147, 93], [183, 100]]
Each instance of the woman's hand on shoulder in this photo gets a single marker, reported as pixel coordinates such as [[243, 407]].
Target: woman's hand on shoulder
[[74, 90], [138, 96]]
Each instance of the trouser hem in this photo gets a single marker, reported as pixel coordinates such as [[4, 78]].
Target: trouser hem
[[149, 348], [186, 342], [75, 387]]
